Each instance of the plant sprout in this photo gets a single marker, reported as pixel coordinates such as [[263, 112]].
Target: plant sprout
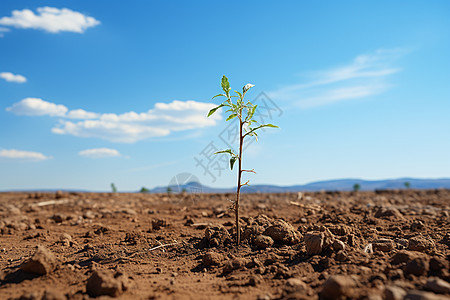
[[244, 111]]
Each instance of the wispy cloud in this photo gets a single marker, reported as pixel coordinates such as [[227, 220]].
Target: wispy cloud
[[10, 77], [50, 19], [100, 153], [22, 155], [128, 127], [365, 76], [3, 30]]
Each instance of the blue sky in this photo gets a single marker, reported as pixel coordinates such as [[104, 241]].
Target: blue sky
[[95, 92]]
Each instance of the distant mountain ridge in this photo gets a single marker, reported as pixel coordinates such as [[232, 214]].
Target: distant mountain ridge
[[328, 185]]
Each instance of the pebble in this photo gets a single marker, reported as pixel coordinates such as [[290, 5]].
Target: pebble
[[337, 287], [42, 262]]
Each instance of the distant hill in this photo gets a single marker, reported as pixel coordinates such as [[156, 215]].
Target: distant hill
[[328, 185]]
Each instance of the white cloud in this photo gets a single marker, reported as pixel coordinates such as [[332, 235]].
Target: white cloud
[[128, 127], [37, 107], [365, 76], [10, 77], [50, 19], [99, 153], [22, 155], [81, 114], [111, 131]]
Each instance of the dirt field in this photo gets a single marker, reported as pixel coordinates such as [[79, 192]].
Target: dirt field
[[365, 245]]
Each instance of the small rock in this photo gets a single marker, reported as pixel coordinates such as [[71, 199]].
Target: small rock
[[338, 245], [296, 283], [58, 218], [314, 242], [418, 266], [421, 244], [263, 241], [438, 285], [383, 245], [65, 237], [394, 293], [338, 286], [212, 259], [42, 262], [283, 232], [104, 282]]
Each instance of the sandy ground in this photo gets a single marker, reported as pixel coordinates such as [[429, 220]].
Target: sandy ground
[[365, 245]]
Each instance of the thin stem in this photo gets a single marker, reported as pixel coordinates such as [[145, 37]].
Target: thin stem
[[241, 140]]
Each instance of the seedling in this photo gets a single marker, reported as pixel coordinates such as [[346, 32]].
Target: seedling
[[113, 188], [244, 111]]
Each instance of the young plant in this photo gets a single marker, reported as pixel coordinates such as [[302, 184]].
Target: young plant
[[356, 187], [248, 126], [113, 188]]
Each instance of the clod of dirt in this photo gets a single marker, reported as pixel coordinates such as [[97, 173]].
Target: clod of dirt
[[283, 232], [421, 295], [421, 244], [404, 256], [234, 264], [318, 241], [388, 213], [438, 285], [217, 235], [383, 245], [340, 230], [439, 265], [104, 282], [417, 225], [338, 245], [263, 241], [158, 223], [53, 295], [212, 259], [296, 283], [394, 293], [337, 286], [42, 262], [418, 266], [250, 232], [58, 218]]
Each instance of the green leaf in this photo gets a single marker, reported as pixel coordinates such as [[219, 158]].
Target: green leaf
[[247, 87], [225, 85], [214, 109], [252, 130], [229, 151], [232, 161], [240, 95], [251, 112], [218, 95], [231, 117]]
